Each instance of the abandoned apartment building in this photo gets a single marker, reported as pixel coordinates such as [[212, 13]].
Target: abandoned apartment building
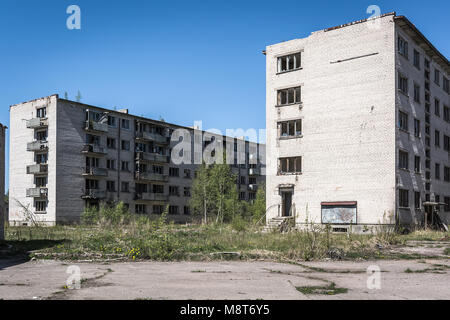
[[65, 155], [358, 127]]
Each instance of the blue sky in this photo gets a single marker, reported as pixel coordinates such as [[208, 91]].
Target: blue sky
[[179, 60]]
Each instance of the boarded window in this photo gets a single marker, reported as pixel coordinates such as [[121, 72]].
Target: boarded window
[[339, 212]]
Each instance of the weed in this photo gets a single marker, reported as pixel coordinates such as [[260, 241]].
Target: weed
[[331, 289]]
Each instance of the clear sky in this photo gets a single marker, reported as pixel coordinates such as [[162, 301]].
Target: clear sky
[[179, 60]]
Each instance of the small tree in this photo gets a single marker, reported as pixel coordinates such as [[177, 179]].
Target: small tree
[[258, 207], [78, 96], [201, 193], [224, 192]]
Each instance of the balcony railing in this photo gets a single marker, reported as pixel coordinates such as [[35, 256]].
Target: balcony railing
[[94, 194], [95, 126], [254, 172], [93, 148], [146, 196], [37, 146], [37, 192], [94, 171], [151, 157], [252, 187], [37, 168], [156, 137], [151, 176], [37, 123]]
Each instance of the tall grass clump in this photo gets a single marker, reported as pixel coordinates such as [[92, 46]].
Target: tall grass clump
[[106, 215]]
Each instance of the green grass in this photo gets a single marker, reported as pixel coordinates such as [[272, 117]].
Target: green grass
[[331, 289], [157, 240]]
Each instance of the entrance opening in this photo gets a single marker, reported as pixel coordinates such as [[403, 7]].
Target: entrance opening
[[286, 200]]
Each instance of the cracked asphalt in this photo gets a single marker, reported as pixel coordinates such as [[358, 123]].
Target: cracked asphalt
[[400, 279]]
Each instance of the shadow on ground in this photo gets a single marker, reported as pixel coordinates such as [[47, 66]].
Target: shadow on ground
[[16, 252]]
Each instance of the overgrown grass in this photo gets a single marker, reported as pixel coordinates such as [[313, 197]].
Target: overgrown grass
[[331, 289], [113, 233]]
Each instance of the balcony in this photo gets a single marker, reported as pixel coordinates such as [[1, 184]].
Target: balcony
[[94, 194], [147, 176], [95, 172], [151, 157], [39, 192], [155, 137], [254, 172], [95, 126], [252, 187], [37, 123], [37, 146], [151, 196], [41, 168], [93, 148]]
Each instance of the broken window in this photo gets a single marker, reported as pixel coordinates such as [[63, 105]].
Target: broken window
[[92, 162], [403, 47], [416, 59], [125, 186], [417, 200], [289, 62], [402, 83], [403, 121], [111, 186], [290, 165], [158, 188], [173, 191], [437, 77], [126, 124], [111, 164], [41, 112], [111, 143], [289, 96], [91, 184], [92, 139], [158, 169], [403, 160], [125, 145], [140, 209], [173, 209], [158, 209], [403, 198], [40, 205], [41, 135], [417, 164], [291, 128], [40, 182], [125, 166], [111, 121], [41, 158]]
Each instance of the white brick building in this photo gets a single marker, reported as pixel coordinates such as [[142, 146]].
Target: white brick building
[[353, 137], [2, 180], [65, 155]]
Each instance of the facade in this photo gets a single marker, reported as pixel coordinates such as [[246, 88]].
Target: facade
[[3, 211], [67, 155], [358, 126]]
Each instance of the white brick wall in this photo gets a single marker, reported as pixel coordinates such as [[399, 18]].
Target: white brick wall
[[348, 144], [350, 113]]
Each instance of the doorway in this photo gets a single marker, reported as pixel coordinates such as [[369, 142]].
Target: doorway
[[286, 201]]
